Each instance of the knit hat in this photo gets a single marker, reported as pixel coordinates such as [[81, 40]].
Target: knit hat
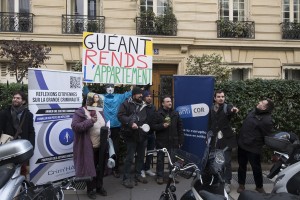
[[146, 93], [137, 90]]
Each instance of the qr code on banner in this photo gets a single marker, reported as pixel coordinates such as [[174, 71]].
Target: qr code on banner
[[75, 82]]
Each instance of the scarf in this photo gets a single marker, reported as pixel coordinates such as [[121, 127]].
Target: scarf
[[16, 113]]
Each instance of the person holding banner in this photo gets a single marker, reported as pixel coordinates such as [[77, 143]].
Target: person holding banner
[[86, 125], [169, 133], [133, 114], [220, 115], [17, 121], [112, 103]]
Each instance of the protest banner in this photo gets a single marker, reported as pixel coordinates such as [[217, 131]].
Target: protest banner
[[117, 59], [193, 96], [53, 97]]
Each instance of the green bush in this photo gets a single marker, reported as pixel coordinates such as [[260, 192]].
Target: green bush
[[6, 92], [285, 94]]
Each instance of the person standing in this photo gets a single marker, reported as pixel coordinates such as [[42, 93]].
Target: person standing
[[86, 125], [133, 114], [220, 115], [257, 124], [169, 133], [112, 102], [151, 134], [17, 118]]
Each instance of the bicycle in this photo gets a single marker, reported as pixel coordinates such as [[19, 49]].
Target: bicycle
[[51, 190]]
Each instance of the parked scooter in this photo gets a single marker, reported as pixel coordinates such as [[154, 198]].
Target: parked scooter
[[286, 168], [208, 173], [12, 155]]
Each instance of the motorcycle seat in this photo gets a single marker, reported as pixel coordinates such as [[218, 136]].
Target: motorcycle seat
[[6, 172], [250, 195]]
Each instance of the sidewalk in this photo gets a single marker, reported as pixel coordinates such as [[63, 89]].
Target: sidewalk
[[152, 191]]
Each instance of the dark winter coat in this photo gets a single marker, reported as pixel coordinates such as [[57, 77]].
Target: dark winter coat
[[254, 128], [172, 136], [131, 112], [220, 121], [7, 127], [82, 147]]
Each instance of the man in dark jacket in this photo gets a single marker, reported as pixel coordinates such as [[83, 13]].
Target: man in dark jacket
[[220, 115], [147, 96], [132, 115], [17, 116], [169, 133], [257, 124]]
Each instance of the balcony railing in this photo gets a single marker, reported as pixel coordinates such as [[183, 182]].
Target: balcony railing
[[238, 29], [166, 27], [290, 30], [77, 24], [16, 22]]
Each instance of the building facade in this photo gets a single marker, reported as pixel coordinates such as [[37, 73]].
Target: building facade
[[257, 39]]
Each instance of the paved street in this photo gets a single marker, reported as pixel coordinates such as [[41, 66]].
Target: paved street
[[152, 191]]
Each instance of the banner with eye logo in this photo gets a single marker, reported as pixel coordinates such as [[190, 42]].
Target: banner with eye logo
[[193, 96]]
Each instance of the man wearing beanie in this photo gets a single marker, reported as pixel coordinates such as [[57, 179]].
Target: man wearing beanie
[[132, 115], [257, 124]]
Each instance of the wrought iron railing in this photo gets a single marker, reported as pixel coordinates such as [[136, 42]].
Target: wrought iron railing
[[16, 22], [76, 24], [235, 29], [290, 30], [146, 26]]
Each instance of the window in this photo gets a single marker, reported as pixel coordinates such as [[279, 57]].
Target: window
[[233, 10], [291, 11], [157, 6], [240, 74], [89, 8], [291, 74]]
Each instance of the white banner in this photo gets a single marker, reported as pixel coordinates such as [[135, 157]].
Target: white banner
[[118, 59], [53, 98]]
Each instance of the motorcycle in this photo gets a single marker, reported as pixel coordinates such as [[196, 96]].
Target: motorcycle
[[208, 173], [286, 167], [12, 155]]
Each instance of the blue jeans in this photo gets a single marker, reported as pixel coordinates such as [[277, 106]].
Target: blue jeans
[[132, 148], [150, 146]]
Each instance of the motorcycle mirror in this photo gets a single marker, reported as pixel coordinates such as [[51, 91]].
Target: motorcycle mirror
[[220, 135], [145, 128]]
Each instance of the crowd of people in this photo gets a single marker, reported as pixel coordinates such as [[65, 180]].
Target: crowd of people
[[126, 114]]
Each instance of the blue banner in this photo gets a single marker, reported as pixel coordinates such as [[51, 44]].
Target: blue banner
[[193, 96]]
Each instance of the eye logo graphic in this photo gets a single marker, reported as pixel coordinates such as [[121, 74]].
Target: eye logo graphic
[[194, 110], [66, 136]]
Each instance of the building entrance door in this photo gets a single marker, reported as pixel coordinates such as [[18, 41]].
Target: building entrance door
[[162, 82]]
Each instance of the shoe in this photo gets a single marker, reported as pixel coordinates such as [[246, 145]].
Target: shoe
[[127, 183], [159, 180], [260, 190], [227, 188], [116, 174], [92, 195], [143, 174], [150, 173], [240, 189], [141, 179], [101, 191]]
